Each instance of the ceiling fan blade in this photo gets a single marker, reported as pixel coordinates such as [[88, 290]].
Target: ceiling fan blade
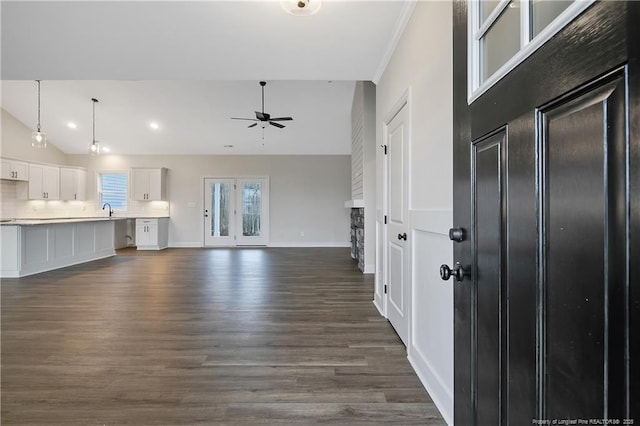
[[281, 119], [262, 116], [278, 125], [248, 119], [252, 125]]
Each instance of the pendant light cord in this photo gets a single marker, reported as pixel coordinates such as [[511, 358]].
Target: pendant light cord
[[94, 119], [38, 105]]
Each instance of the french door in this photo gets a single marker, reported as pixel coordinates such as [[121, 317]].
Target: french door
[[236, 211], [547, 215]]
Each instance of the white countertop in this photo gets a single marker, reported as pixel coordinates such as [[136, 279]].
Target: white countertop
[[51, 221]]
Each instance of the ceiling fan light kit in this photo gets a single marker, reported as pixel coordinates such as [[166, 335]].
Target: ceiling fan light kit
[[263, 118], [301, 7]]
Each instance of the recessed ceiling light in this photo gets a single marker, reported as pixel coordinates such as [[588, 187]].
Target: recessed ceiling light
[[106, 149], [154, 125], [301, 7], [72, 125], [228, 146]]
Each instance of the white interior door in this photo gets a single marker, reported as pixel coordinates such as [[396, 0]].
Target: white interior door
[[397, 229], [253, 211], [219, 212]]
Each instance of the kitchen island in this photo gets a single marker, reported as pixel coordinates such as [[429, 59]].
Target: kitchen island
[[31, 246]]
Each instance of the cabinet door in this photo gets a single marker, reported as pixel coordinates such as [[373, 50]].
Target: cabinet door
[[152, 234], [36, 190], [142, 235], [155, 185], [20, 170], [72, 184], [140, 180], [68, 184], [6, 171], [51, 183], [81, 185]]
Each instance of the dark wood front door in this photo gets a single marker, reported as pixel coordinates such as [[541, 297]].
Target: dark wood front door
[[547, 188]]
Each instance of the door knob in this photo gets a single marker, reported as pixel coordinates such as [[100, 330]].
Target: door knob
[[456, 234], [457, 272], [402, 236]]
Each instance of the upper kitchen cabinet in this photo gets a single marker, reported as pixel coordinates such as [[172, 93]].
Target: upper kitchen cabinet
[[149, 184], [15, 170], [44, 184], [73, 184]]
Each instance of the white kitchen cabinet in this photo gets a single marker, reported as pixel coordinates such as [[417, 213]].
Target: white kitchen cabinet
[[152, 234], [149, 184], [14, 170], [44, 184], [73, 184]]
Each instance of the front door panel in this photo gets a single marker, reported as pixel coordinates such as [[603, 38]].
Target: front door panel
[[583, 272], [487, 164]]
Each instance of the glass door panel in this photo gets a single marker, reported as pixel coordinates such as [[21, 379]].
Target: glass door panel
[[253, 209], [219, 212]]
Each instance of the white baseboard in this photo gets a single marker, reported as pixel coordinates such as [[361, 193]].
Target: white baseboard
[[293, 244], [299, 244], [441, 396], [185, 245], [379, 308]]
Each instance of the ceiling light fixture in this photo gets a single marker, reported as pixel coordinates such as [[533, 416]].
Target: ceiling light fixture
[[301, 7], [38, 139], [94, 148], [154, 125], [72, 125]]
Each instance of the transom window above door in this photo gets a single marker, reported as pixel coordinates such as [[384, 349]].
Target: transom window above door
[[503, 33]]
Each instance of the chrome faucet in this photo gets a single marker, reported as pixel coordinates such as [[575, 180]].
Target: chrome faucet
[[110, 209]]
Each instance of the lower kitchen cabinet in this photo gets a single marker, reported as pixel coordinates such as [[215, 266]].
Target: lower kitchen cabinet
[[152, 234]]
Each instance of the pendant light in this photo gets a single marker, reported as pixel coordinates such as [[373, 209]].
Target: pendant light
[[38, 139], [94, 148]]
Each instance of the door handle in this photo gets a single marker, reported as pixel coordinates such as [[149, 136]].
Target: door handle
[[457, 272], [402, 236], [457, 234]]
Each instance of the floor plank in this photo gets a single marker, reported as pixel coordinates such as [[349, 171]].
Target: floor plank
[[204, 336]]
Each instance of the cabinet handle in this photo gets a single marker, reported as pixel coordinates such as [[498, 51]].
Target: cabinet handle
[[75, 196]]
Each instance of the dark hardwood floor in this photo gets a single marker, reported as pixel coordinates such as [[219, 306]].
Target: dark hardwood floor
[[205, 336]]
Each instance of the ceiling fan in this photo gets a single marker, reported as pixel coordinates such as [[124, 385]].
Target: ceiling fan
[[263, 116]]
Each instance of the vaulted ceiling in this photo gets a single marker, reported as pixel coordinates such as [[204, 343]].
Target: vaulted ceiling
[[190, 66]]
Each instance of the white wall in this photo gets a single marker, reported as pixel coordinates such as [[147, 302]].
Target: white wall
[[307, 193], [422, 64], [15, 142]]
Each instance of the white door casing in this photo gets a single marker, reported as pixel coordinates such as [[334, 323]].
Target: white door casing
[[398, 253]]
